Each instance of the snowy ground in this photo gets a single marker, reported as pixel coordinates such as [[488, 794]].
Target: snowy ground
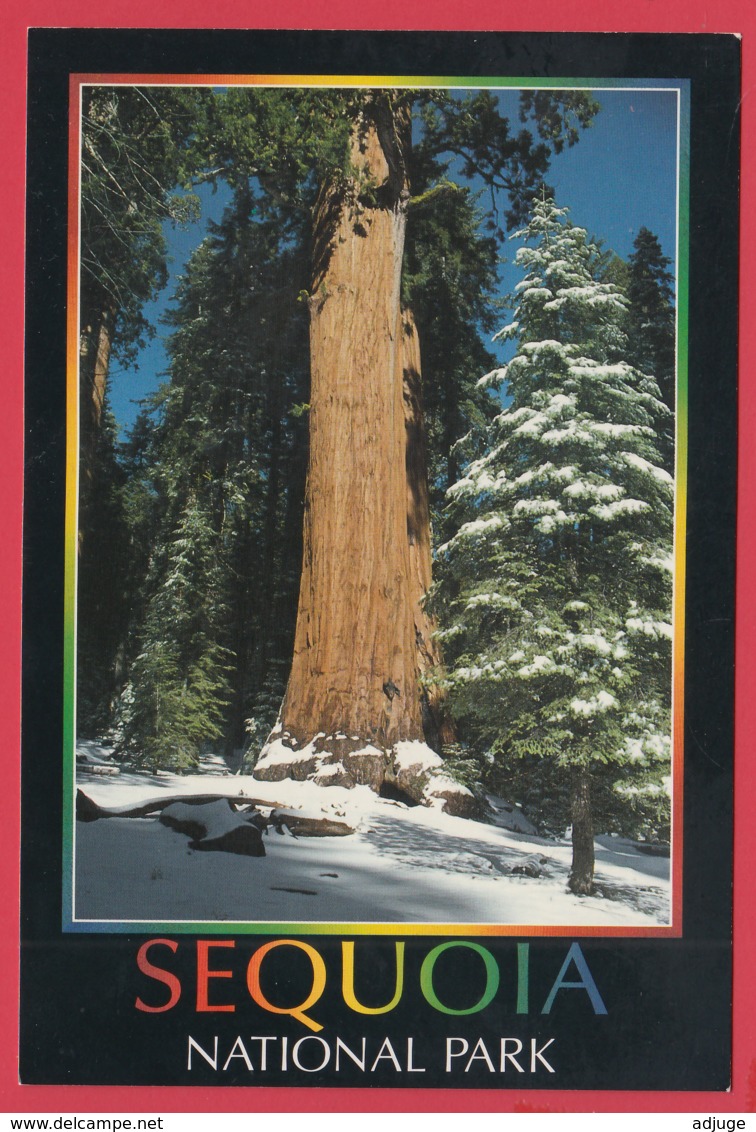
[[402, 865]]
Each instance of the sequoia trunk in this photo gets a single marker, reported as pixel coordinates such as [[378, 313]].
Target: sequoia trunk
[[95, 348], [354, 710], [355, 667], [437, 726]]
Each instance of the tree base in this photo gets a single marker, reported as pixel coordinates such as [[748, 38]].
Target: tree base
[[350, 761], [581, 885]]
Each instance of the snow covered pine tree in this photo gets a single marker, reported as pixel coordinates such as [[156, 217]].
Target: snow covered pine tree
[[555, 591]]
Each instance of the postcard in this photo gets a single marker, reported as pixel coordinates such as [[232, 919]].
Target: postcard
[[379, 560]]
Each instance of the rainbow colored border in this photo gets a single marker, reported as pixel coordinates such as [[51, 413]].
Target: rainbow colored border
[[70, 924]]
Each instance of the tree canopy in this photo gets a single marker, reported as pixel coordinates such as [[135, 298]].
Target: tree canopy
[[227, 438], [652, 313], [138, 163]]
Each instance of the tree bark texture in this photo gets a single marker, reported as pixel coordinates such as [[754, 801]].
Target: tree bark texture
[[581, 874], [355, 668], [437, 726], [95, 349], [363, 639]]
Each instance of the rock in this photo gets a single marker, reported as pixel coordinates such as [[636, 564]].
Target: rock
[[299, 771], [281, 758], [334, 774], [244, 839], [366, 766], [328, 760], [410, 767], [506, 815], [452, 797], [192, 827], [530, 867]]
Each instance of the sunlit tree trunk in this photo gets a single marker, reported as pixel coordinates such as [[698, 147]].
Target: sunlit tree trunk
[[96, 342], [363, 638], [437, 727], [355, 669]]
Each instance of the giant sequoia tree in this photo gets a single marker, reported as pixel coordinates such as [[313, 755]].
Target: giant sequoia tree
[[339, 178], [364, 640]]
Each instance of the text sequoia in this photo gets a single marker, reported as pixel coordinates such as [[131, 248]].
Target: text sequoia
[[219, 989]]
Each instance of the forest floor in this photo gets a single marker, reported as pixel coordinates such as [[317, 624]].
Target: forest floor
[[402, 864]]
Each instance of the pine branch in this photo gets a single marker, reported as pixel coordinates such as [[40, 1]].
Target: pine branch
[[442, 188]]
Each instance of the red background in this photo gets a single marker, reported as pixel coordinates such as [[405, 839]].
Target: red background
[[483, 15]]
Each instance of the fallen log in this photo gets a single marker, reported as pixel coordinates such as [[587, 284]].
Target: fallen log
[[88, 810], [302, 826], [215, 827], [280, 818]]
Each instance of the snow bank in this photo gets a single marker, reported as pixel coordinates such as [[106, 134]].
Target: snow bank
[[409, 755], [348, 761], [282, 750], [402, 866]]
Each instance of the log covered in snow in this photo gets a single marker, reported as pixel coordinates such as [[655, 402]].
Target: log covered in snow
[[302, 826], [88, 810], [253, 812], [215, 827]]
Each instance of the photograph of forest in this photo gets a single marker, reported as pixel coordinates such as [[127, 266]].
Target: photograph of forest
[[376, 502]]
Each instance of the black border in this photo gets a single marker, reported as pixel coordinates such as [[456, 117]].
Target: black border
[[669, 1000]]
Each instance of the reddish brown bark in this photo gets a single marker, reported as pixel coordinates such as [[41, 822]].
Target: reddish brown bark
[[356, 660], [96, 342], [437, 725], [96, 345]]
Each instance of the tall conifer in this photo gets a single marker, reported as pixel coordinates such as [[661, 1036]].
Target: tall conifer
[[650, 291], [556, 587]]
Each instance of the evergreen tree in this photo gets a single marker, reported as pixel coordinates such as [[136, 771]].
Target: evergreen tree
[[555, 590], [449, 281], [104, 578], [136, 169], [178, 688], [225, 468], [651, 314], [136, 159]]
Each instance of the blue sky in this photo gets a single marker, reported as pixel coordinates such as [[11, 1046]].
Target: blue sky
[[621, 176]]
